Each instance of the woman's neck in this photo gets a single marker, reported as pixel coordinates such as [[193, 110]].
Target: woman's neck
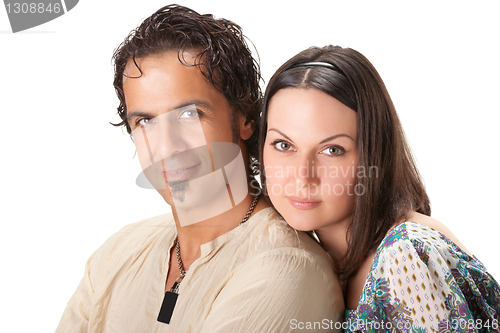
[[334, 240]]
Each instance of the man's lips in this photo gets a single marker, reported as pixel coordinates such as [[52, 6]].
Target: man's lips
[[303, 203], [180, 173]]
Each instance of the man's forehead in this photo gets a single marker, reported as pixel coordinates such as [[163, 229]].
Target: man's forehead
[[137, 67], [161, 83]]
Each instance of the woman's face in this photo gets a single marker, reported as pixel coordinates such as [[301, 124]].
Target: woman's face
[[310, 158]]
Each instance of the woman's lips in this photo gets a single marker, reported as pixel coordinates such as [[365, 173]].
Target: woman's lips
[[300, 203], [180, 174]]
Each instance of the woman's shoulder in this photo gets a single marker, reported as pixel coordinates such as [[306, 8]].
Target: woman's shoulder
[[420, 246], [425, 222], [421, 276], [421, 232]]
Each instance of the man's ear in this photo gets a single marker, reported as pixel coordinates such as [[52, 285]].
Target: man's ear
[[246, 127]]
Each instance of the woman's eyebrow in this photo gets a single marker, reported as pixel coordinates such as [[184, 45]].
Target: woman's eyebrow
[[280, 132], [335, 136], [323, 141]]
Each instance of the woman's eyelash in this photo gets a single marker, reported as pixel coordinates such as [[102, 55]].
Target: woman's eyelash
[[278, 141], [275, 142], [342, 150]]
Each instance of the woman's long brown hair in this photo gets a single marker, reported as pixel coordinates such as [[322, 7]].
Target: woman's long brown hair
[[397, 190]]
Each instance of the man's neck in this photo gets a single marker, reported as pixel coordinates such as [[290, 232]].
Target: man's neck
[[192, 236]]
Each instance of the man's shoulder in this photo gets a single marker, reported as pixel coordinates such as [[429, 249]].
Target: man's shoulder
[[146, 227], [137, 236], [282, 261], [272, 236]]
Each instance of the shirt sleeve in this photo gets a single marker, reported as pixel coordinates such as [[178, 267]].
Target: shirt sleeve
[[427, 284], [279, 292], [84, 310], [75, 318]]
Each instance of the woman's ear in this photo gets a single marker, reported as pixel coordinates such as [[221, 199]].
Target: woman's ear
[[246, 127]]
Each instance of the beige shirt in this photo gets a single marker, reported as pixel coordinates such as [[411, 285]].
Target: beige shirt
[[262, 276]]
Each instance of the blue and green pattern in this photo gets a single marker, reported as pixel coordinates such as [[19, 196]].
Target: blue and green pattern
[[420, 281]]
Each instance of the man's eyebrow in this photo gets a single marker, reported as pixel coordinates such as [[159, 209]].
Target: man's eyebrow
[[134, 114], [191, 102], [196, 102]]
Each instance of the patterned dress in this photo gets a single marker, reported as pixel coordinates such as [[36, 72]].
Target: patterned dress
[[420, 281]]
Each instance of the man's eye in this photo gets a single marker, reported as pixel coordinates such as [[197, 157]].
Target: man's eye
[[188, 114], [333, 151], [145, 121]]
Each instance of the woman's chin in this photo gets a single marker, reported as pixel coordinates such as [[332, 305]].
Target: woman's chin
[[299, 225]]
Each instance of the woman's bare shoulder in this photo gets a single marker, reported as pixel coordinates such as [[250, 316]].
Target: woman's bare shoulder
[[438, 226]]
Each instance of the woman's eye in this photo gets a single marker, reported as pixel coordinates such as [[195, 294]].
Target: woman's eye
[[333, 151], [188, 114], [283, 146]]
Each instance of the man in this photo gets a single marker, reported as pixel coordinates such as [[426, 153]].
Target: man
[[223, 261]]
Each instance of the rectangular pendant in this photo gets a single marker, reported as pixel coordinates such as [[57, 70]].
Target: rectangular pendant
[[167, 307]]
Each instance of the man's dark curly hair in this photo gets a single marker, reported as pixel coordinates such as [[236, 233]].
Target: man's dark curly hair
[[224, 58]]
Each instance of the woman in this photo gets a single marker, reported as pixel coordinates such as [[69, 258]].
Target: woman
[[335, 160]]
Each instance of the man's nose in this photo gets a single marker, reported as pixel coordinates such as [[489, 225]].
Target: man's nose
[[169, 139]]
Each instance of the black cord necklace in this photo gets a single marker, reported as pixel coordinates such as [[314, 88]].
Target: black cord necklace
[[168, 305]]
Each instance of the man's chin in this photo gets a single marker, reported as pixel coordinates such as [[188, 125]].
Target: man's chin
[[178, 192], [194, 203], [181, 197]]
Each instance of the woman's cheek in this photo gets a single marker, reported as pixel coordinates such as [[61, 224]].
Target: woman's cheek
[[274, 179], [336, 181]]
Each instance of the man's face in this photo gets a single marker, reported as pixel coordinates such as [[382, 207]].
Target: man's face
[[174, 112]]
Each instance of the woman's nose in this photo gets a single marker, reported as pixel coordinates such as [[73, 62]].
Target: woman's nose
[[306, 172]]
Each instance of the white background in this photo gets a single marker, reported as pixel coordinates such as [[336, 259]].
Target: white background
[[68, 176]]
